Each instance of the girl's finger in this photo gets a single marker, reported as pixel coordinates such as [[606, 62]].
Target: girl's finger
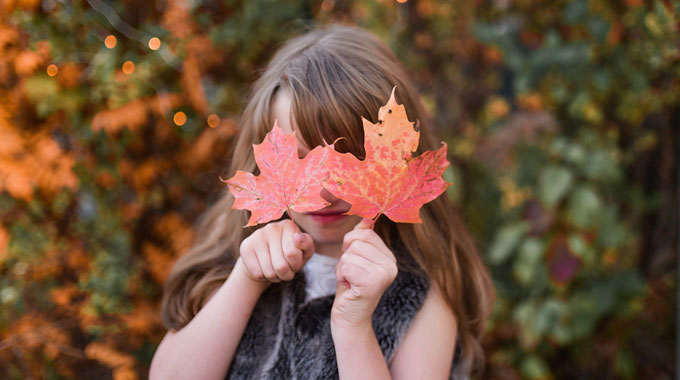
[[340, 278], [364, 224], [353, 269], [358, 270], [250, 261], [366, 235], [291, 253], [279, 263], [365, 250], [371, 238], [264, 259], [304, 242]]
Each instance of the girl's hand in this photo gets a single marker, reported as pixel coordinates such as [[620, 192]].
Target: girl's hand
[[275, 252], [366, 268]]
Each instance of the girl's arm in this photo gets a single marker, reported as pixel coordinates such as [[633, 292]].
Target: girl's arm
[[365, 270], [203, 349], [425, 353], [358, 353], [428, 347]]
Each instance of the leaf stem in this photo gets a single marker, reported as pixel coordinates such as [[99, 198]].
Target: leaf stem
[[290, 215], [375, 219]]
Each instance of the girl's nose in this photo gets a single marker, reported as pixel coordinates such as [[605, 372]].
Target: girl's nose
[[328, 197]]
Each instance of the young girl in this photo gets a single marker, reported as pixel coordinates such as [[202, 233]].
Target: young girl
[[326, 296]]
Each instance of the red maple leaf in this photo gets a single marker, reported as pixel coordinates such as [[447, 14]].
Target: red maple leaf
[[389, 180], [285, 183]]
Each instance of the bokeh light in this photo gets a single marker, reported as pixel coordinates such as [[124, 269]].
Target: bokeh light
[[154, 43], [110, 41], [52, 70], [128, 67], [180, 118], [401, 1], [213, 121]]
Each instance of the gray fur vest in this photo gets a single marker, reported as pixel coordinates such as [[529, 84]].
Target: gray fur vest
[[288, 338]]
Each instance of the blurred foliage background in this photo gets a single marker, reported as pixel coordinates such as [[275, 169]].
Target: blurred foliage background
[[116, 120]]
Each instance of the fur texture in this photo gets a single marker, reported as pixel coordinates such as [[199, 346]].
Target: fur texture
[[287, 338]]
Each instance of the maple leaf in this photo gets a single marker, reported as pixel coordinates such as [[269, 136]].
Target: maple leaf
[[285, 183], [389, 180]]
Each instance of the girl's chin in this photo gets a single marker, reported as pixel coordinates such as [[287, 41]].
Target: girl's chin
[[328, 232], [328, 229]]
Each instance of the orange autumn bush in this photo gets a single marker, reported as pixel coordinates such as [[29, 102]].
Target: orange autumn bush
[[559, 118]]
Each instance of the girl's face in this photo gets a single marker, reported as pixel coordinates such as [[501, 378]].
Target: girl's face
[[327, 226]]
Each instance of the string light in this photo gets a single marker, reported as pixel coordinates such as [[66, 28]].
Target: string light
[[154, 43], [52, 70], [110, 41], [213, 121], [128, 67], [127, 30], [180, 118]]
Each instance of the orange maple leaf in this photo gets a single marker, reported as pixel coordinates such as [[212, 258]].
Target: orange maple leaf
[[389, 180], [285, 183]]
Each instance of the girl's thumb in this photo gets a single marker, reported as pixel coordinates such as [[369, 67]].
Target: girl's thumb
[[365, 224], [304, 242]]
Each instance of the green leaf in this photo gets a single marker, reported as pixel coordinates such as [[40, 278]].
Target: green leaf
[[548, 315], [584, 207], [39, 87], [530, 253], [613, 233], [581, 248], [575, 153], [506, 240], [43, 91], [534, 367], [524, 315], [600, 165], [584, 311], [553, 183]]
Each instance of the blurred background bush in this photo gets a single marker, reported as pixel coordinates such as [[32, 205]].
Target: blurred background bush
[[116, 120]]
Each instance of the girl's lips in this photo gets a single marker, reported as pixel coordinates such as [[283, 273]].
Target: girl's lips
[[327, 216]]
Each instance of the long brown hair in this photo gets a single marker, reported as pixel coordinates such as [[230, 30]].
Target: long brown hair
[[335, 76]]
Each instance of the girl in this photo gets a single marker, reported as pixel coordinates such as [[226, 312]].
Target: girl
[[326, 296]]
